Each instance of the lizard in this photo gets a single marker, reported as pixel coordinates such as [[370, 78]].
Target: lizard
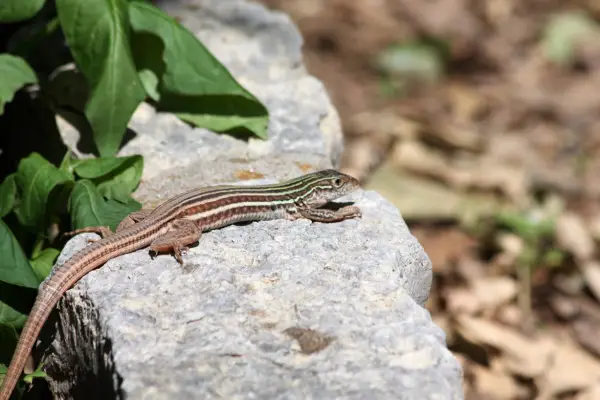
[[174, 225]]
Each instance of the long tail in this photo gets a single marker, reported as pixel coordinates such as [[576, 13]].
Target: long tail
[[41, 310], [63, 278]]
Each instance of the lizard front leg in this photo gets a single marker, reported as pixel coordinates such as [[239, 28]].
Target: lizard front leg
[[104, 231], [326, 215], [183, 232]]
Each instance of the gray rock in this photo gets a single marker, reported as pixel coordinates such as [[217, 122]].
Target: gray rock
[[216, 326], [269, 310]]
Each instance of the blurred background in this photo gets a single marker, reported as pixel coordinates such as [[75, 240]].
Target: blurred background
[[480, 121]]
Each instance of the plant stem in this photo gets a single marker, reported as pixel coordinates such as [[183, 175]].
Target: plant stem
[[525, 303]]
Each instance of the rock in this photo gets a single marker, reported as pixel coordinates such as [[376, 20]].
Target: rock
[[275, 309]]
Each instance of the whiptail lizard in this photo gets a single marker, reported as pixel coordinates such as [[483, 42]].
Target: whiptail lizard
[[177, 223]]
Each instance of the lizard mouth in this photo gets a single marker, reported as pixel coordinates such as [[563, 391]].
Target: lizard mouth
[[336, 205]]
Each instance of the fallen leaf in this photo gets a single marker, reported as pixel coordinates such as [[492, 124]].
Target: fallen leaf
[[454, 136], [466, 105], [586, 331], [573, 236], [462, 301], [494, 291], [496, 384], [570, 369], [591, 275], [563, 306], [520, 355], [510, 315], [571, 284], [591, 393]]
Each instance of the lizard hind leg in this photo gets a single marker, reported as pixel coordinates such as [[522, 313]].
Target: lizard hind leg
[[183, 233], [105, 231]]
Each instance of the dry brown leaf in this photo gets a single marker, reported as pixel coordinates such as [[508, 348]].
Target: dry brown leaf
[[497, 11], [447, 249], [462, 301], [555, 367], [591, 274], [593, 225], [578, 98], [564, 307], [362, 156], [416, 157], [586, 333], [496, 384], [511, 181], [571, 284], [483, 294], [385, 123], [469, 268], [570, 369], [510, 315], [494, 291], [511, 246], [591, 393], [455, 136], [573, 236], [466, 105], [521, 355]]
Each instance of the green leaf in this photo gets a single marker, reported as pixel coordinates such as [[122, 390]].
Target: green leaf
[[8, 195], [8, 341], [14, 268], [562, 33], [43, 263], [14, 74], [19, 10], [423, 59], [88, 208], [185, 78], [116, 178], [554, 258], [38, 373], [11, 317], [36, 178], [97, 32]]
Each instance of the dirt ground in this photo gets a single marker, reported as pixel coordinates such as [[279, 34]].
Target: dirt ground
[[480, 120]]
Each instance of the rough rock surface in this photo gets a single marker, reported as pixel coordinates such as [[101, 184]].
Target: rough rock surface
[[269, 310]]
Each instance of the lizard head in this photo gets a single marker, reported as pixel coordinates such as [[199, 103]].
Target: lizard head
[[328, 185]]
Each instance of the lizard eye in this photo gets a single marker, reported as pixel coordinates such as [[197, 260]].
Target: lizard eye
[[337, 182]]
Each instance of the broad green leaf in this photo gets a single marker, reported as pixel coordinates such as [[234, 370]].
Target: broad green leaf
[[8, 341], [88, 208], [19, 10], [116, 178], [43, 263], [97, 32], [14, 268], [11, 317], [191, 82], [14, 74], [8, 195], [36, 178], [96, 167]]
